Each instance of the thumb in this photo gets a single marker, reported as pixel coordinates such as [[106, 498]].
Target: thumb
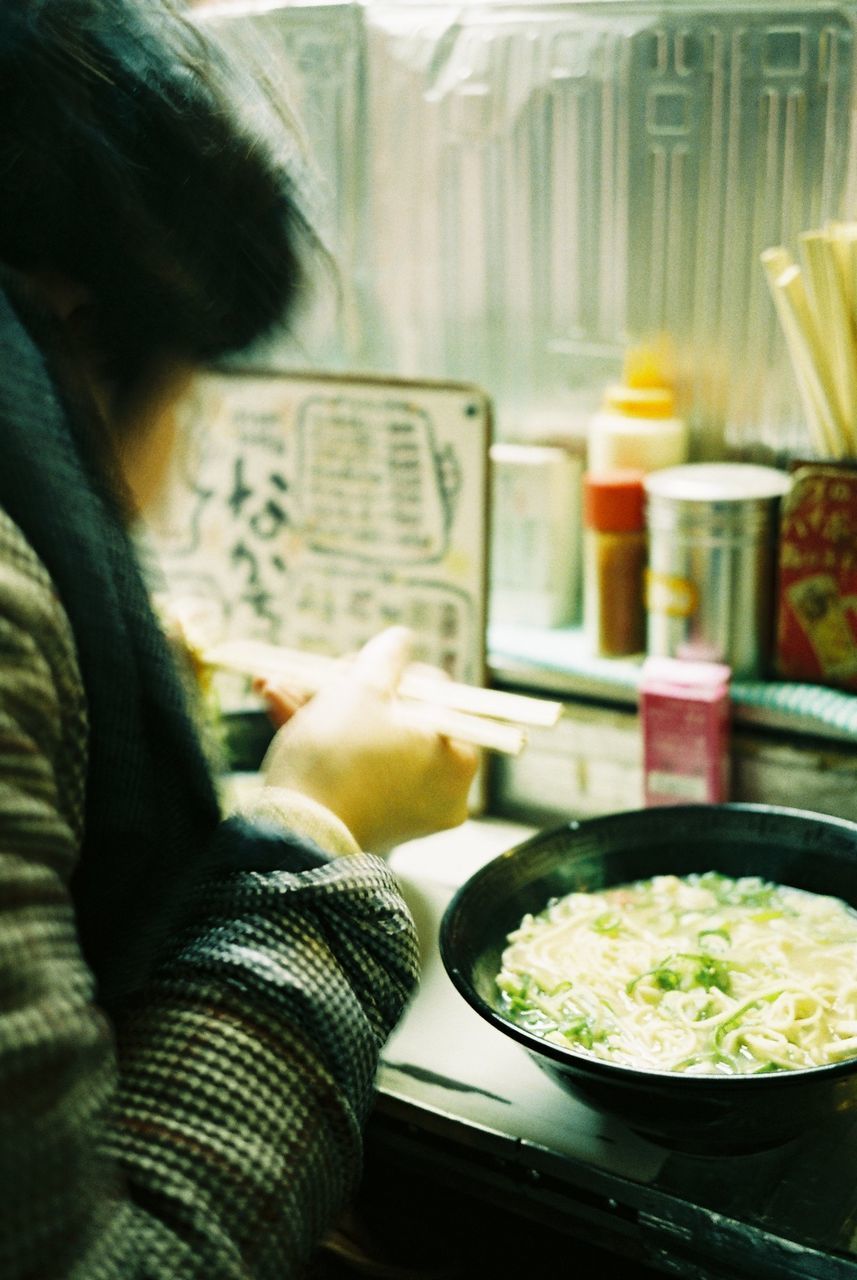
[[382, 660]]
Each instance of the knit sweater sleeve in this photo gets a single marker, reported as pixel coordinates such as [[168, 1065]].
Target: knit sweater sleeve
[[214, 1130]]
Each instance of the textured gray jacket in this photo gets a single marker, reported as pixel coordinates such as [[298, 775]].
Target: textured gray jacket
[[215, 1128]]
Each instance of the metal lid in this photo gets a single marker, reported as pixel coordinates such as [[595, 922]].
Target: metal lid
[[708, 482]]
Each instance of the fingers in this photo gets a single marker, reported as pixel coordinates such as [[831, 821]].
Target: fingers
[[465, 756], [355, 750], [382, 660], [281, 701]]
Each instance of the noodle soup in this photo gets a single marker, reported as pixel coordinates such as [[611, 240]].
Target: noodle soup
[[701, 974]]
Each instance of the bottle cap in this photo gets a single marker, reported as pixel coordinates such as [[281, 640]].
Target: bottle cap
[[640, 402], [614, 501], [651, 363]]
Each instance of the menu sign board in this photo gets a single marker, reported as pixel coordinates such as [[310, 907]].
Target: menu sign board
[[312, 511]]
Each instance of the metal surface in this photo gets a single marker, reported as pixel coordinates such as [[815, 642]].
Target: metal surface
[[712, 542], [514, 192]]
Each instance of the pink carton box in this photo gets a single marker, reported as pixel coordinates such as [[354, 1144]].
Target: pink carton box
[[685, 718]]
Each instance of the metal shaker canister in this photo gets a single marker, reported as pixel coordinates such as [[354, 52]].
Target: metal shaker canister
[[710, 583]]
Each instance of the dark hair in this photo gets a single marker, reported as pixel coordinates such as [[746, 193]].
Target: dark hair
[[124, 166]]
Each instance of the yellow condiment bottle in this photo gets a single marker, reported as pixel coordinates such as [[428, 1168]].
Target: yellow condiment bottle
[[638, 427]]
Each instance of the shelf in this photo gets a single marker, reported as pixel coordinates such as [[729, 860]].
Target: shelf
[[557, 662]]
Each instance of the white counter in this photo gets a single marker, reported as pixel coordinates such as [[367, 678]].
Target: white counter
[[448, 1062]]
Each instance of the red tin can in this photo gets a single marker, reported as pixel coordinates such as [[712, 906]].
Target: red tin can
[[817, 590]]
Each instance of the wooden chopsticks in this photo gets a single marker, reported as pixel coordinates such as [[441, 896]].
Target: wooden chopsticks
[[489, 718], [816, 304]]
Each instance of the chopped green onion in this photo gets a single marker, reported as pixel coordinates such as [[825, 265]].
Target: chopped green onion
[[579, 1031], [734, 1021], [714, 933], [607, 922]]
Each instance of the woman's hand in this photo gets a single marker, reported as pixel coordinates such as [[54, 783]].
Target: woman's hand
[[351, 749]]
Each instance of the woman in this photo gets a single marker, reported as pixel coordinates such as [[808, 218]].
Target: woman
[[191, 1006]]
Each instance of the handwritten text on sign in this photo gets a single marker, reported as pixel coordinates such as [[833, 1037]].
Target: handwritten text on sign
[[314, 512]]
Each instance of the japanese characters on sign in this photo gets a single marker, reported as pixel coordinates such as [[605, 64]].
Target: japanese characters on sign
[[313, 512]]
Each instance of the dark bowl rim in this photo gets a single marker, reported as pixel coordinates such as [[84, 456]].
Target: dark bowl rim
[[587, 1064]]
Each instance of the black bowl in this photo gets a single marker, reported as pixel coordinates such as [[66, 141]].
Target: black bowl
[[699, 1114]]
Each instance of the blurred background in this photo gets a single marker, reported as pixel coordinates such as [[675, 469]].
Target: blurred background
[[514, 194]]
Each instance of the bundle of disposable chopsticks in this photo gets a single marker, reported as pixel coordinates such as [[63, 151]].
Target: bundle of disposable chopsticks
[[488, 718], [816, 302]]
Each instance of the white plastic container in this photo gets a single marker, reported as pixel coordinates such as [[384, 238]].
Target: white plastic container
[[535, 535], [637, 429]]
